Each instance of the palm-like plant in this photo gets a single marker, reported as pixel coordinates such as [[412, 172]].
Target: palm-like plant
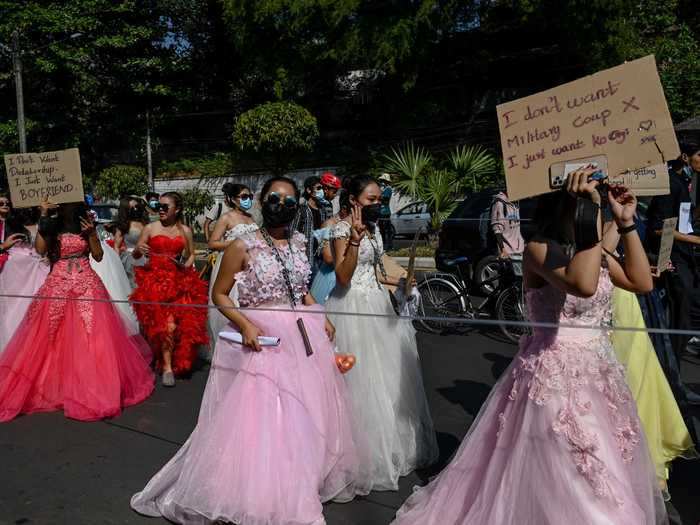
[[408, 165], [473, 163], [439, 190]]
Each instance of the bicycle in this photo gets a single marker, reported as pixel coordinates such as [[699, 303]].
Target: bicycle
[[448, 295]]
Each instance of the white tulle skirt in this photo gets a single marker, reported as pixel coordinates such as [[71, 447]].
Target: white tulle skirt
[[113, 276], [215, 319], [23, 274], [386, 386]]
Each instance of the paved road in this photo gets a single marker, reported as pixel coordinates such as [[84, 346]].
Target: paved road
[[55, 471]]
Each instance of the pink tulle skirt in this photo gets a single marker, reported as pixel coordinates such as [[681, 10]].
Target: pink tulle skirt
[[273, 440], [558, 442], [90, 376]]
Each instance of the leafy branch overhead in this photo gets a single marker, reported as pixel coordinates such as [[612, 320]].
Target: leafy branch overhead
[[276, 133]]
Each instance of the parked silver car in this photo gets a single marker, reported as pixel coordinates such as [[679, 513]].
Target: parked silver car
[[410, 219]]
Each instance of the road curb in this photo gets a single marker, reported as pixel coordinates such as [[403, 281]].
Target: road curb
[[422, 263]]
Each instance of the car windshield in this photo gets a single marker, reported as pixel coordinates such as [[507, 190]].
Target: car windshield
[[472, 206]]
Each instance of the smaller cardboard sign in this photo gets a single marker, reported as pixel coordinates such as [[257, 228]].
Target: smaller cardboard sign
[[393, 269], [666, 245], [53, 174], [411, 265], [619, 113]]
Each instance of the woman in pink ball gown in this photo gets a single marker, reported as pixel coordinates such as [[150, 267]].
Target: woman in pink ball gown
[[274, 437], [72, 351], [559, 441]]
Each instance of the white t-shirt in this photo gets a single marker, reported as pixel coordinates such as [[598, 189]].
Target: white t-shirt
[[213, 213]]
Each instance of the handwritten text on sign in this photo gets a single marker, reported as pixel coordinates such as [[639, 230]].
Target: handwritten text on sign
[[55, 175], [620, 112]]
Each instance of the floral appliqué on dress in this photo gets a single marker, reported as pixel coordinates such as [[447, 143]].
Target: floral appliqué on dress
[[71, 279], [561, 370], [262, 282]]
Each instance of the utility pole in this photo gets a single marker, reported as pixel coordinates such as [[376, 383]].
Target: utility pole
[[17, 66], [149, 157]]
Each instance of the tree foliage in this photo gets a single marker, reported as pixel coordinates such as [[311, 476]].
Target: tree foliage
[[195, 201], [280, 131], [120, 180], [416, 173]]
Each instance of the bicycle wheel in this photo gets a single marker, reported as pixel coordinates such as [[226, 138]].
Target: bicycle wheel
[[440, 297], [510, 307]]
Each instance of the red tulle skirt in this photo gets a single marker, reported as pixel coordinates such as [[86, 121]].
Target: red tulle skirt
[[60, 364], [162, 281]]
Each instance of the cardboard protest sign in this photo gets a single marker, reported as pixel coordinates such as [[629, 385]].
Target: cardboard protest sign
[[619, 113], [53, 174], [411, 273], [666, 245]]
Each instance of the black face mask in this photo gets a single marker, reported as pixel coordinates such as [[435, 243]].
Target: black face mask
[[371, 213], [135, 214], [276, 214]]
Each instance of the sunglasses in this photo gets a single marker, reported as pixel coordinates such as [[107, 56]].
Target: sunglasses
[[5, 203], [163, 207], [274, 198], [244, 196]]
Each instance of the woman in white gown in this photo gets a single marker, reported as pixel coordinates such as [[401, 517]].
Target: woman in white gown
[[232, 225], [386, 386], [132, 218], [24, 270], [112, 274]]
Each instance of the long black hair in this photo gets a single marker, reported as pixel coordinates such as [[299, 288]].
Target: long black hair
[[554, 217], [67, 220], [125, 217], [14, 222], [354, 186]]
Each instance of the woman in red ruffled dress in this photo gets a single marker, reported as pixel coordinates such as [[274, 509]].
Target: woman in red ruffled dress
[[174, 332], [72, 350]]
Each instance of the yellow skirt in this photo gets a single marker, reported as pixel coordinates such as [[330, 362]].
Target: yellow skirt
[[666, 432]]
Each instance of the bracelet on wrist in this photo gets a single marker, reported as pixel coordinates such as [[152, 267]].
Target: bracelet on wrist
[[627, 229], [355, 243]]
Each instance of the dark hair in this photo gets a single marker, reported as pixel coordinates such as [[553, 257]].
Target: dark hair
[[152, 194], [310, 182], [689, 147], [14, 222], [232, 190], [281, 178], [67, 221], [354, 186], [554, 215], [177, 199], [124, 215], [27, 216]]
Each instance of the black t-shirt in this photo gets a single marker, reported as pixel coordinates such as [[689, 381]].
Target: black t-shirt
[[664, 207]]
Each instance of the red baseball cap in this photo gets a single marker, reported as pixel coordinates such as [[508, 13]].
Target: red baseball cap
[[328, 179]]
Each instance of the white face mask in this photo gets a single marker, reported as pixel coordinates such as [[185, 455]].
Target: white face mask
[[320, 196]]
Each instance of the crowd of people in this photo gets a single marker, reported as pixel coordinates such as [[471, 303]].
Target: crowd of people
[[303, 406]]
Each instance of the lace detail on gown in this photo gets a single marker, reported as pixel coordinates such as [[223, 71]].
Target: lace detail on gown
[[262, 281], [71, 279], [239, 230], [364, 277], [562, 365]]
